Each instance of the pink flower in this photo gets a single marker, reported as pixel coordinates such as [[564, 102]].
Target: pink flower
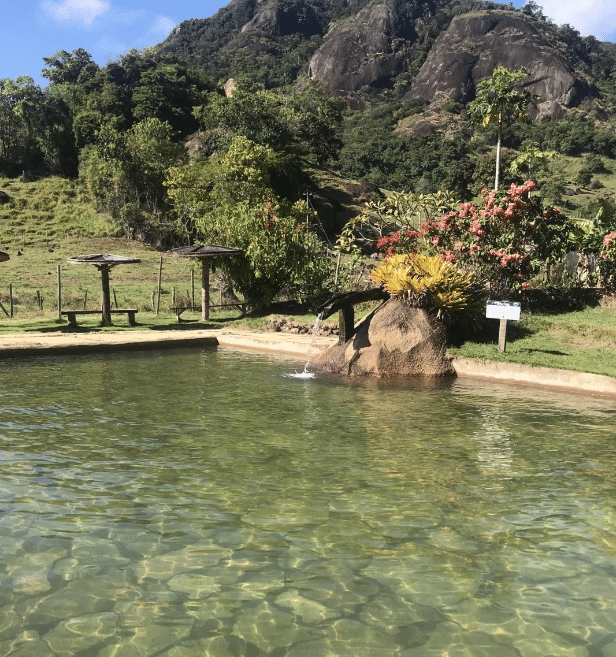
[[608, 238], [475, 228], [435, 241]]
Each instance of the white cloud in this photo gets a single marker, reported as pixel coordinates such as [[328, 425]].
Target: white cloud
[[162, 27], [75, 12], [596, 17]]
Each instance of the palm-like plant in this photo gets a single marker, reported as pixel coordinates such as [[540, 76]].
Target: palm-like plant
[[498, 100]]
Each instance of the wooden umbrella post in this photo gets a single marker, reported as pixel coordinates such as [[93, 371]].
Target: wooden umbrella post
[[205, 289], [106, 300], [206, 253]]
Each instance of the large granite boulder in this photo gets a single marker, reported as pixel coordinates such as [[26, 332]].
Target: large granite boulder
[[369, 49], [281, 19], [394, 341], [474, 44]]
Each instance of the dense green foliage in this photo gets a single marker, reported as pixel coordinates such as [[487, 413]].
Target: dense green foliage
[[121, 127]]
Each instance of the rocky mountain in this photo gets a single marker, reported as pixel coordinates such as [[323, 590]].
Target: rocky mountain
[[371, 48], [474, 44], [359, 48]]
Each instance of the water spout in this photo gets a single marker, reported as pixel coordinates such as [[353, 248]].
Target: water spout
[[306, 373]]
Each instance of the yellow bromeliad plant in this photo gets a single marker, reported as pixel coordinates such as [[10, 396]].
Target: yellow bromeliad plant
[[429, 282]]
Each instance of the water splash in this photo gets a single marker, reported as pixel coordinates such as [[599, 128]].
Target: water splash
[[306, 373]]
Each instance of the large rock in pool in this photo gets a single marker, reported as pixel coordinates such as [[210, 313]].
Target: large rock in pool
[[394, 341]]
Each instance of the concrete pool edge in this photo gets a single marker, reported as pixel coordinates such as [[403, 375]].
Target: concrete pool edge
[[291, 345], [537, 377]]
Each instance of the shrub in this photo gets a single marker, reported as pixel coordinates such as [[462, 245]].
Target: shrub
[[507, 238]]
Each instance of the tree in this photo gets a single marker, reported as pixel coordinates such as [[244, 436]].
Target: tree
[[229, 200], [498, 100], [251, 112], [529, 159], [75, 67], [125, 172], [170, 92], [316, 122], [20, 114]]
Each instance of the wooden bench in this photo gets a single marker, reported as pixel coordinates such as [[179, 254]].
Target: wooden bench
[[72, 314], [180, 309]]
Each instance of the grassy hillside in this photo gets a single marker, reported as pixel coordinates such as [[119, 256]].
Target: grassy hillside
[[48, 221]]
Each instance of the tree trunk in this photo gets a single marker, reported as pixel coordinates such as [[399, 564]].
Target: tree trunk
[[498, 150]]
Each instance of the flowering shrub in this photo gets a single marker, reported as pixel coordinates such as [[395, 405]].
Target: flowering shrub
[[280, 251], [608, 251], [607, 261], [506, 238]]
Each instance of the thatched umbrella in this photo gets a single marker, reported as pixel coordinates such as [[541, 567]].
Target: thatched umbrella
[[103, 262], [206, 253]]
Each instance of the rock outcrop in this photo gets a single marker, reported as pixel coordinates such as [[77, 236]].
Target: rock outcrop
[[369, 49], [297, 17], [395, 341], [474, 44]]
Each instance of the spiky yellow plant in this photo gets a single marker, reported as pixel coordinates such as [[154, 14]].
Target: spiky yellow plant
[[429, 282]]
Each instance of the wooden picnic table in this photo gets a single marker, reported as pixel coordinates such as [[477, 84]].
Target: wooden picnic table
[[104, 263]]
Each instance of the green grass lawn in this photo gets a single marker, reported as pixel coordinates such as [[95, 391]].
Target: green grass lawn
[[582, 341]]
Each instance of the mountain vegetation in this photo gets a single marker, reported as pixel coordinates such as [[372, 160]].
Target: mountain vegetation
[[224, 127]]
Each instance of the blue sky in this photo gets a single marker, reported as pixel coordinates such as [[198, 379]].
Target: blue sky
[[33, 29]]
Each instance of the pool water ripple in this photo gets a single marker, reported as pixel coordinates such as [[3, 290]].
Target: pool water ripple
[[184, 504]]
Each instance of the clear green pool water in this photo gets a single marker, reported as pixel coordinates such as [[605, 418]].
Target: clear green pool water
[[185, 504]]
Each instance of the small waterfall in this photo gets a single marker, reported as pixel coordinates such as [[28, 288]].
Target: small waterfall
[[307, 374], [313, 335]]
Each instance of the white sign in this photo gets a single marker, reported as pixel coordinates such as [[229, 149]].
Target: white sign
[[503, 310]]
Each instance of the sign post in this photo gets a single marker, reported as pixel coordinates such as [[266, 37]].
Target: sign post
[[503, 310]]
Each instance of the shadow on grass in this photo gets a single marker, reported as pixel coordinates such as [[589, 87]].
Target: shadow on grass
[[489, 333], [551, 352]]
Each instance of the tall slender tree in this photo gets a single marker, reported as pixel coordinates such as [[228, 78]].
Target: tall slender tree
[[500, 100]]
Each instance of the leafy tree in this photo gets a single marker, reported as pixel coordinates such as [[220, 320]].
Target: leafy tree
[[498, 100], [229, 200], [125, 172], [56, 138], [169, 92], [20, 113], [529, 160], [316, 121], [251, 112], [75, 67]]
